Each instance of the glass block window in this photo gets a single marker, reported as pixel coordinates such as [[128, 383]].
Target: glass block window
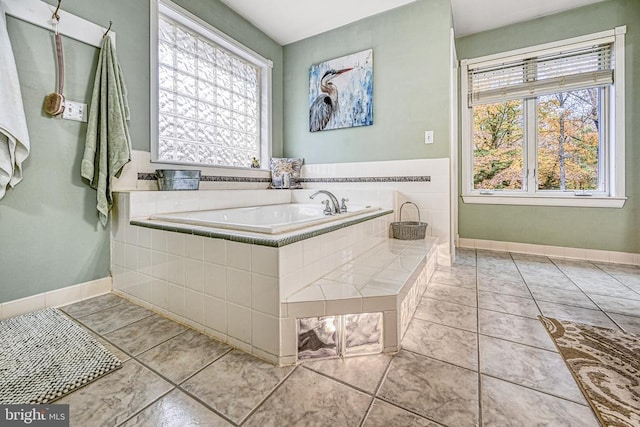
[[348, 335], [209, 99]]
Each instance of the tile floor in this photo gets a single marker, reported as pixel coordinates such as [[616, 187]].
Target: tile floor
[[474, 354]]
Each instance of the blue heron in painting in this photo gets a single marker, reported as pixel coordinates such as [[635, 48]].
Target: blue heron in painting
[[326, 103]]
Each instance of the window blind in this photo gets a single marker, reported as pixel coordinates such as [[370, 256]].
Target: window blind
[[529, 77]]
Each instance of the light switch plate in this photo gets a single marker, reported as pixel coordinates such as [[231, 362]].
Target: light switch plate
[[428, 137], [75, 111]]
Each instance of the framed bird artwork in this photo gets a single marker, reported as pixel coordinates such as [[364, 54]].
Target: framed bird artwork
[[341, 92]]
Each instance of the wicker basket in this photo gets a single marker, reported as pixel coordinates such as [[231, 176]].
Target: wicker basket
[[408, 230]]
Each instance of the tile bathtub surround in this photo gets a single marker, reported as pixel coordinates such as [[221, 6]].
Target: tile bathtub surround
[[253, 238], [210, 178], [139, 175], [424, 181], [228, 289], [389, 278], [520, 379], [432, 195]]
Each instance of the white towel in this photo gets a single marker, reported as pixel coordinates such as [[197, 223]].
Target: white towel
[[14, 137]]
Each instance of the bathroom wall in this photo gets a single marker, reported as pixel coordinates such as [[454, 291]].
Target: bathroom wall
[[49, 229], [588, 228], [411, 87]]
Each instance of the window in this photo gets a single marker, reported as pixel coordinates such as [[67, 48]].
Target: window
[[210, 95], [545, 125]]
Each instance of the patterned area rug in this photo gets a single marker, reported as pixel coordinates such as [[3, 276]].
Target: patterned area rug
[[45, 355], [606, 365]]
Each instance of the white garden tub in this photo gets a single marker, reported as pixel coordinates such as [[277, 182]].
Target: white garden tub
[[269, 219]]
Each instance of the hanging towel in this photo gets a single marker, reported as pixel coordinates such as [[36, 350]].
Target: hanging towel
[[108, 145], [14, 136]]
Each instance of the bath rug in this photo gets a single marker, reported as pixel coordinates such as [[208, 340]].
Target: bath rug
[[606, 366], [45, 355]]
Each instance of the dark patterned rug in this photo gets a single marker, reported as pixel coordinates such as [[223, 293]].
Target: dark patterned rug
[[45, 355], [606, 365]]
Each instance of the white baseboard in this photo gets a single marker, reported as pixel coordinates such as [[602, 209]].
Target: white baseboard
[[56, 298], [552, 251]]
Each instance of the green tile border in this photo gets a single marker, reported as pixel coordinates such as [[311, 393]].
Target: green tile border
[[262, 241]]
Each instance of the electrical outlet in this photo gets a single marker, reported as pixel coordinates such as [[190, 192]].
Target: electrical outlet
[[75, 111], [428, 137]]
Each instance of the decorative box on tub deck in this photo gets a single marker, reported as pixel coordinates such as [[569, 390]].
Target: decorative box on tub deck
[[170, 180]]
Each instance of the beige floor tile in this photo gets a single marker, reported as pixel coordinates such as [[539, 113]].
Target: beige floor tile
[[531, 367], [383, 414], [452, 294], [310, 399], [144, 334], [549, 280], [86, 307], [509, 405], [465, 257], [562, 296], [115, 317], [112, 348], [177, 409], [364, 372], [443, 343], [448, 314], [235, 384], [608, 287], [514, 287], [624, 306], [115, 397], [628, 323], [183, 355], [576, 314], [515, 328], [454, 277], [439, 391], [508, 304]]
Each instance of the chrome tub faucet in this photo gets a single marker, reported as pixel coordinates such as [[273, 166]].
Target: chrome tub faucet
[[334, 200]]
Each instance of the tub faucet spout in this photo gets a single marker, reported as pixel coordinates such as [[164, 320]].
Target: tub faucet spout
[[334, 200]]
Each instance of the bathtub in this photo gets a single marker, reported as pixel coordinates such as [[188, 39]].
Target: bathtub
[[268, 219]]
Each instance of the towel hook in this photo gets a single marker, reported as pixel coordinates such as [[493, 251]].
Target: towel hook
[[55, 13], [108, 29]]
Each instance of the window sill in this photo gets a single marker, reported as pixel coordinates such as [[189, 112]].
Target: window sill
[[569, 201], [207, 166]]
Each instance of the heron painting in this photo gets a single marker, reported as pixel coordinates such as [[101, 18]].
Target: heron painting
[[341, 92]]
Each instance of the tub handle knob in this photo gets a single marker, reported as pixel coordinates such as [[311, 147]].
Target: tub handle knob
[[327, 208], [343, 207]]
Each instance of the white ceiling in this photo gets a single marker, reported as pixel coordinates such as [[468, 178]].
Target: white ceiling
[[473, 16], [287, 21]]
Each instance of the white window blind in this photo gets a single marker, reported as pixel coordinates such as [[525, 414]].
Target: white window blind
[[529, 77], [209, 100]]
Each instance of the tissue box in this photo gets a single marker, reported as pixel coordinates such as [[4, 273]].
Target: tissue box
[[171, 180]]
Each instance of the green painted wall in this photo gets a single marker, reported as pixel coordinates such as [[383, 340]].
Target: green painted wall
[[410, 89], [48, 225], [592, 228]]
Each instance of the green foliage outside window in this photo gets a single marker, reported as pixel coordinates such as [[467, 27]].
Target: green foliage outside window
[[567, 146]]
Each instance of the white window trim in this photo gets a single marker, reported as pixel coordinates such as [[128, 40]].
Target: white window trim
[[616, 177], [195, 23]]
